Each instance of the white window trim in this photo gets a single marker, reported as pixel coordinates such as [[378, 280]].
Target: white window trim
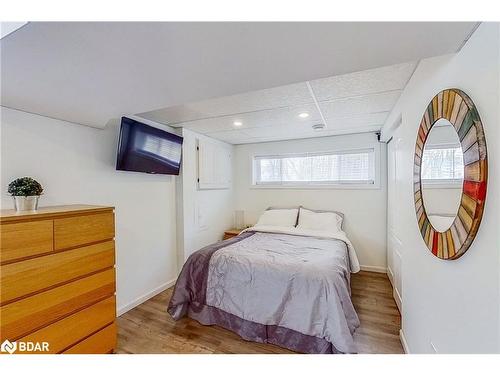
[[322, 185], [442, 184], [443, 145]]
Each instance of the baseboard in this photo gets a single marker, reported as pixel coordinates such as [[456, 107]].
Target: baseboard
[[398, 299], [390, 275], [374, 269], [402, 338], [129, 306]]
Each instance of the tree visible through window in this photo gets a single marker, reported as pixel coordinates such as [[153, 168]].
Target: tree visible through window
[[443, 164]]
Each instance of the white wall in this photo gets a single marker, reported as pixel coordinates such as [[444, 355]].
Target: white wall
[[76, 164], [441, 201], [453, 305], [443, 136], [364, 209], [203, 214]]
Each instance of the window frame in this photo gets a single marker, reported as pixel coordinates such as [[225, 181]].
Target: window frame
[[352, 184]]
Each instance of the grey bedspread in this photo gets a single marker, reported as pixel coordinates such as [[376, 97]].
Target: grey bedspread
[[289, 290]]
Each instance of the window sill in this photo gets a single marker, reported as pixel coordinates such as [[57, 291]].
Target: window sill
[[442, 185], [317, 187]]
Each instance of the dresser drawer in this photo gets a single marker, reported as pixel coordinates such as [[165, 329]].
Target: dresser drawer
[[21, 240], [81, 230], [68, 331], [23, 317], [100, 342], [29, 276]]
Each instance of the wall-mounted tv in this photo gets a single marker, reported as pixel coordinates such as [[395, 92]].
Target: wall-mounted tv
[[143, 148]]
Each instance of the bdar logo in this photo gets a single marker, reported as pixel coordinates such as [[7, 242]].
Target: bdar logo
[[9, 347], [24, 346]]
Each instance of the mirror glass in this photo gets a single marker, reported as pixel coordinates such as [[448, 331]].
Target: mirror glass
[[442, 175]]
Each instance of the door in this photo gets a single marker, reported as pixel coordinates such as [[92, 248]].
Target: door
[[394, 244]]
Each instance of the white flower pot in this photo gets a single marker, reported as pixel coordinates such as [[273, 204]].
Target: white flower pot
[[29, 203]]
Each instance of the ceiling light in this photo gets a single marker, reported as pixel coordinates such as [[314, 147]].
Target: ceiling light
[[237, 123], [304, 115]]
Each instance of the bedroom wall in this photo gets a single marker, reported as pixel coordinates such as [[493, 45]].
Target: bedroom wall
[[364, 209], [203, 215], [76, 164], [442, 201], [452, 306]]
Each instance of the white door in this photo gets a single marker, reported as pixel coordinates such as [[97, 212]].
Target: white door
[[394, 245]]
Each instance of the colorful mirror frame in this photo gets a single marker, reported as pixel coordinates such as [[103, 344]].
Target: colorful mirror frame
[[455, 106]]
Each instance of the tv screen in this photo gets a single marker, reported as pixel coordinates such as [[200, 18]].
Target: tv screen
[[143, 148]]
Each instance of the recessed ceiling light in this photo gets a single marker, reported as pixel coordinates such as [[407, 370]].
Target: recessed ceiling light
[[237, 123], [303, 115]]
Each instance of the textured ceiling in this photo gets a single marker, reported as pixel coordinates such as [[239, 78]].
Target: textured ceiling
[[349, 103], [89, 73]]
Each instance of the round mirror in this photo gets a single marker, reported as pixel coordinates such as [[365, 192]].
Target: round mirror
[[450, 174], [442, 175]]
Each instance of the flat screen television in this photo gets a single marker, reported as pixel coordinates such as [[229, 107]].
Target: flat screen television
[[143, 148]]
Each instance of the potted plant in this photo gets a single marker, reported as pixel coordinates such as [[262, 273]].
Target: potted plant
[[25, 192]]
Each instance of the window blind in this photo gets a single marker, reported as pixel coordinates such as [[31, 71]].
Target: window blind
[[346, 167]]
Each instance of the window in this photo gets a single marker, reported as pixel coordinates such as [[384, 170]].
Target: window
[[328, 168], [442, 164]]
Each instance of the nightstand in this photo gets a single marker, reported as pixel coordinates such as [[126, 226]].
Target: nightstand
[[231, 233]]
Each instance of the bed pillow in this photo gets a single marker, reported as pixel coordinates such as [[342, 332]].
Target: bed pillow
[[286, 208], [279, 217], [320, 220], [335, 212]]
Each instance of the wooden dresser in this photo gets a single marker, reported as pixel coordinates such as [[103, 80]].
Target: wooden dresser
[[57, 278]]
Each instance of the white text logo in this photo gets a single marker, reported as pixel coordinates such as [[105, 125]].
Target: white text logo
[[24, 346]]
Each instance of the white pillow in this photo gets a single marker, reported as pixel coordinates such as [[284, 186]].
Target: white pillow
[[281, 218], [325, 221]]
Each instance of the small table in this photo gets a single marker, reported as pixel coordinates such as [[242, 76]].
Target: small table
[[231, 233]]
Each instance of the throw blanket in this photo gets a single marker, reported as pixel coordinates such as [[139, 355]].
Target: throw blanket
[[291, 290]]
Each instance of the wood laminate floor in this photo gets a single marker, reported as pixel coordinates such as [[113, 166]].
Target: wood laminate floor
[[149, 329]]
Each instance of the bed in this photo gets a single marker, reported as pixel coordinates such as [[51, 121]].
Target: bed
[[283, 285]]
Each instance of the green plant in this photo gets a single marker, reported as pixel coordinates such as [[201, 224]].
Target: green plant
[[25, 186]]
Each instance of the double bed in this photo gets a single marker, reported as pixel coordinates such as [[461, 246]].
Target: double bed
[[283, 285]]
